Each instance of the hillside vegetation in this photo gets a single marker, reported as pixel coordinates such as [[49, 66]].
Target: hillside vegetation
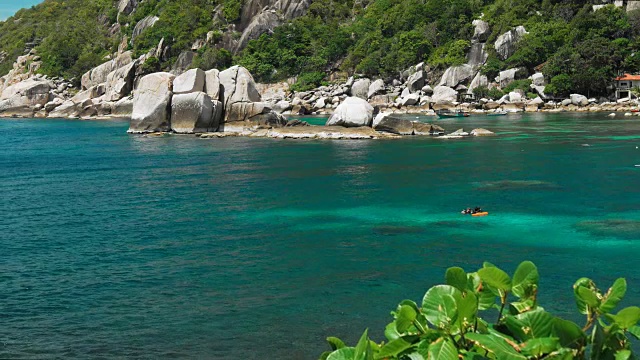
[[577, 48]]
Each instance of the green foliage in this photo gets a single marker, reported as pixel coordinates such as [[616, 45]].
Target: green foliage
[[232, 10], [560, 85], [484, 92], [452, 54], [212, 58], [523, 85], [151, 65], [67, 47], [308, 81], [448, 326]]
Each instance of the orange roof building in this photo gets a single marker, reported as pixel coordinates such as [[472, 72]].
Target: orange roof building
[[624, 84]]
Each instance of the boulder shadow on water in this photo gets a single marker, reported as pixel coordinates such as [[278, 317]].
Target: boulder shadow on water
[[619, 228], [502, 185], [394, 230]]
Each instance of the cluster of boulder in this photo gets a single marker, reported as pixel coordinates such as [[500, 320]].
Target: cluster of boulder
[[199, 102]]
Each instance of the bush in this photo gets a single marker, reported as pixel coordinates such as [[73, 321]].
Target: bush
[[524, 85], [209, 58], [308, 81], [447, 325], [151, 65], [484, 92], [560, 85]]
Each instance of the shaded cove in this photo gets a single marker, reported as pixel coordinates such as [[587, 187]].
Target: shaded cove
[[115, 245]]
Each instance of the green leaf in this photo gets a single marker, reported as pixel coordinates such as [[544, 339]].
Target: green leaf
[[519, 307], [443, 349], [457, 278], [569, 333], [497, 346], [439, 305], [473, 356], [405, 317], [393, 348], [635, 331], [487, 264], [391, 332], [335, 343], [623, 354], [588, 296], [540, 346], [486, 299], [538, 323], [562, 354], [324, 355], [347, 353], [467, 310], [496, 278], [362, 350], [614, 296], [627, 317], [582, 282], [525, 280]]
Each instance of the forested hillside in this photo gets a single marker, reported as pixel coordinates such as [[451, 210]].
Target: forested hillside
[[577, 47]]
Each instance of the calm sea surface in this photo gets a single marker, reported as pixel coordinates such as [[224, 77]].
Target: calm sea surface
[[120, 246]]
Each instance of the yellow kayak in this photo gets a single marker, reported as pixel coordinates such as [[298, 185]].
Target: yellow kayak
[[484, 213]]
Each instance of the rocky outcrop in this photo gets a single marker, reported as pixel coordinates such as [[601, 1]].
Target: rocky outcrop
[[260, 24], [444, 94], [212, 84], [415, 82], [195, 113], [481, 132], [126, 7], [360, 88], [478, 80], [185, 59], [456, 75], [353, 112], [506, 77], [100, 73], [505, 45], [190, 81], [120, 82], [481, 30], [242, 102], [23, 97], [151, 103], [389, 123], [375, 88], [143, 25], [477, 56]]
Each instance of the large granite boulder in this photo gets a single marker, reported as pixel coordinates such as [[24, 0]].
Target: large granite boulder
[[143, 25], [68, 109], [457, 75], [376, 87], [478, 81], [126, 7], [21, 98], [537, 79], [411, 99], [262, 23], [360, 88], [505, 45], [212, 84], [444, 94], [481, 30], [477, 56], [195, 113], [122, 108], [190, 81], [120, 82], [388, 123], [416, 81], [183, 63], [508, 76], [242, 101], [100, 73], [151, 103], [353, 112], [579, 100]]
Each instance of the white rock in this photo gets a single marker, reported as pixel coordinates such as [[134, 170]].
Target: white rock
[[212, 84], [151, 102], [190, 81], [444, 94], [375, 88], [195, 113], [353, 112]]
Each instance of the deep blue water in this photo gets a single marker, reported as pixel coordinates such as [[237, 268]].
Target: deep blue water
[[120, 246]]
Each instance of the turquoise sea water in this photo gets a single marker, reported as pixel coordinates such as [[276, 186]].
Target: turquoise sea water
[[119, 246]]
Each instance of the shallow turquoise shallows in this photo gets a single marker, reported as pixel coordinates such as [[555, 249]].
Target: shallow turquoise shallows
[[121, 246]]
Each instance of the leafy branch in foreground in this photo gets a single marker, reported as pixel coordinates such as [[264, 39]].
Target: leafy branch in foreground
[[447, 325]]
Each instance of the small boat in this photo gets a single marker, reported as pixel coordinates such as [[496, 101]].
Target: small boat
[[451, 114], [498, 113], [484, 213]]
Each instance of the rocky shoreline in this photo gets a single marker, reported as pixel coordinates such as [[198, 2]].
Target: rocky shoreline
[[217, 104]]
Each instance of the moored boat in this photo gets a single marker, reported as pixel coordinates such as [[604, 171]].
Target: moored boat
[[451, 114]]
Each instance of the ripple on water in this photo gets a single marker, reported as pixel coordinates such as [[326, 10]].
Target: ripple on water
[[619, 228]]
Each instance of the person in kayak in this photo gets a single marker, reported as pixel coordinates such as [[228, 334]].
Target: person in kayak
[[466, 211], [477, 210]]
